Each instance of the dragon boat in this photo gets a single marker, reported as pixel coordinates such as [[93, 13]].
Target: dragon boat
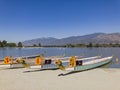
[[76, 65]]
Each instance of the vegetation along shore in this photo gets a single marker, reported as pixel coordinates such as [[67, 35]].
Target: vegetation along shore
[[4, 43]]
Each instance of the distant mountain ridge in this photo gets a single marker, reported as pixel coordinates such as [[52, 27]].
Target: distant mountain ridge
[[101, 38]]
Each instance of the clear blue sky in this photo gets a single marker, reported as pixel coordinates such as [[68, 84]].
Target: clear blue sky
[[29, 19]]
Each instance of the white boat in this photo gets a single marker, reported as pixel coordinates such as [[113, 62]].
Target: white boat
[[76, 65], [50, 63], [10, 63]]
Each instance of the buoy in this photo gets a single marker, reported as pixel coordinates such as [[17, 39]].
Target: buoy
[[117, 60]]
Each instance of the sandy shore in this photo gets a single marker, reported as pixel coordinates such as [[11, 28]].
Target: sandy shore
[[96, 79]]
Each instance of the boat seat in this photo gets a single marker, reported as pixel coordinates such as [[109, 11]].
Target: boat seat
[[79, 63], [49, 61]]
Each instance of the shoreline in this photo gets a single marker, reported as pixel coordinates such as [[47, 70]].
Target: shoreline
[[95, 79]]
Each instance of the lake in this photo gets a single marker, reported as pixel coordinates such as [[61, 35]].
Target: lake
[[85, 52]]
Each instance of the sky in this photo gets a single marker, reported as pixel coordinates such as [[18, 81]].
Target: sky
[[22, 20]]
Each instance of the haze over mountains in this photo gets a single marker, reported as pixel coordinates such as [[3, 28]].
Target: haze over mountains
[[101, 38]]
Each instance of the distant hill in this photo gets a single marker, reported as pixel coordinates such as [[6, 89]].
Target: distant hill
[[100, 38]]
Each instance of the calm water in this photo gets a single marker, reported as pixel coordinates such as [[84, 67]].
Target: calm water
[[85, 52]]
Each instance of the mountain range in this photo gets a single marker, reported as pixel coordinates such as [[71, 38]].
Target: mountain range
[[101, 38]]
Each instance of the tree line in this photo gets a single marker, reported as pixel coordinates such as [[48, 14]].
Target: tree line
[[4, 43], [80, 45], [94, 45]]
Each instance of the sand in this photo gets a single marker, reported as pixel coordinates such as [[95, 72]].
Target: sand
[[95, 79]]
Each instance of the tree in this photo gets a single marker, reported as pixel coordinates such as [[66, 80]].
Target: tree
[[1, 45], [11, 44], [20, 44], [97, 45], [90, 45], [69, 45], [110, 44], [4, 42], [80, 45], [39, 45], [34, 45]]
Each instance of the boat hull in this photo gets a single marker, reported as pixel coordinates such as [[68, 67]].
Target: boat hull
[[11, 66], [51, 66], [91, 66]]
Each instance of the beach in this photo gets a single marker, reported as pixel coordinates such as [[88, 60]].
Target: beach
[[95, 79]]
